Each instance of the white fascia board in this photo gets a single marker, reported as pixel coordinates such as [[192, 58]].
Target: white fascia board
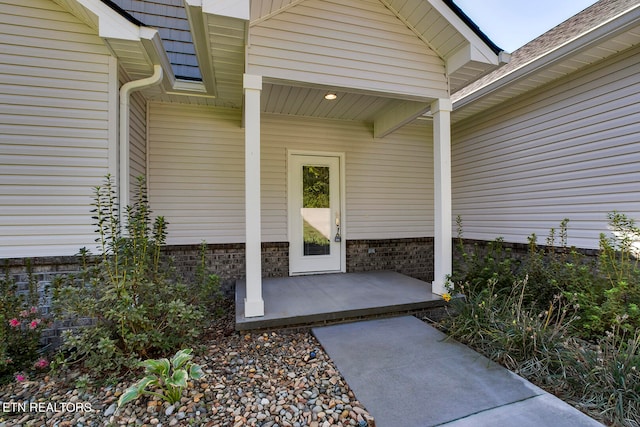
[[157, 55], [600, 34], [483, 53], [111, 23], [199, 32], [470, 53], [231, 8]]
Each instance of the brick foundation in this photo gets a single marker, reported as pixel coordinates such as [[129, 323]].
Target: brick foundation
[[43, 272], [412, 257], [515, 250], [227, 261]]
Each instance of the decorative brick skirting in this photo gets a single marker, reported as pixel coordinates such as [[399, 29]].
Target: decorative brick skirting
[[43, 272], [227, 261], [412, 256], [515, 250]]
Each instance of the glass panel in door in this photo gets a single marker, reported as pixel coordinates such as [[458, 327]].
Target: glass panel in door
[[316, 210]]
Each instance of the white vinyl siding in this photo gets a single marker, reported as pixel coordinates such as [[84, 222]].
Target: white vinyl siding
[[55, 77], [355, 44], [196, 174], [570, 150]]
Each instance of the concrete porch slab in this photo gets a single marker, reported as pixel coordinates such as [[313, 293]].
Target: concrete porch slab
[[298, 300], [406, 373]]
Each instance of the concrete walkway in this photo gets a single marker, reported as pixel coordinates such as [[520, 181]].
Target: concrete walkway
[[407, 374]]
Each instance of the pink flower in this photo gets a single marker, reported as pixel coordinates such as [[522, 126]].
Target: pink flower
[[24, 313], [34, 323], [34, 310], [14, 323], [41, 363], [20, 377]]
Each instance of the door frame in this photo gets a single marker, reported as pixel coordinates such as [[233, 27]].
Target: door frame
[[342, 201]]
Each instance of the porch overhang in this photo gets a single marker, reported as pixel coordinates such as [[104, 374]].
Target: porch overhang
[[220, 30]]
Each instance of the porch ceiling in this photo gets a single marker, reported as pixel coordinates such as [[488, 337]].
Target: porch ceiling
[[310, 102]]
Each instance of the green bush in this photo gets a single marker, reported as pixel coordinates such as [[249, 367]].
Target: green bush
[[602, 289], [138, 309], [602, 378], [480, 266], [566, 322], [605, 377]]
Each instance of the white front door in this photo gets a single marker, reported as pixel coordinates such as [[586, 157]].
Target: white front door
[[315, 214]]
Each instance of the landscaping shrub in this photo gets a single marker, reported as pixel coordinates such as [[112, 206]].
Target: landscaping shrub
[[566, 323], [605, 377], [494, 263], [21, 326], [502, 326], [603, 289], [138, 309], [602, 378]]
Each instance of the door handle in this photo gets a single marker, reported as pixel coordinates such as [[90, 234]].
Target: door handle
[[338, 237]]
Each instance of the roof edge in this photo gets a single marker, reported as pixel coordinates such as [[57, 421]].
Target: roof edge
[[123, 13], [606, 30], [473, 26]]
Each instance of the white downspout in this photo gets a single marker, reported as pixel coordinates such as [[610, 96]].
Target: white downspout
[[125, 94]]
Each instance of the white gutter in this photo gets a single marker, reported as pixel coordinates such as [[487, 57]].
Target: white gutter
[[125, 95]]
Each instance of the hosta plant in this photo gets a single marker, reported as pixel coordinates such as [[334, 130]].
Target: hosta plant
[[164, 378]]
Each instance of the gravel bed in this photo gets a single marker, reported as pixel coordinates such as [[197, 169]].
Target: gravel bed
[[267, 379]]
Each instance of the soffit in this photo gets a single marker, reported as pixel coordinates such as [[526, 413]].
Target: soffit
[[310, 102], [219, 42]]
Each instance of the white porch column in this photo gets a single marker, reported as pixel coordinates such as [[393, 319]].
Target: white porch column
[[253, 303], [441, 110]]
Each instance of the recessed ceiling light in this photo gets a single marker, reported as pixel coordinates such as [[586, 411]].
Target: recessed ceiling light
[[331, 96]]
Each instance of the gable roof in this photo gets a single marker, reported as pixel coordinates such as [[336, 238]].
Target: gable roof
[[172, 22], [170, 19], [598, 31]]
